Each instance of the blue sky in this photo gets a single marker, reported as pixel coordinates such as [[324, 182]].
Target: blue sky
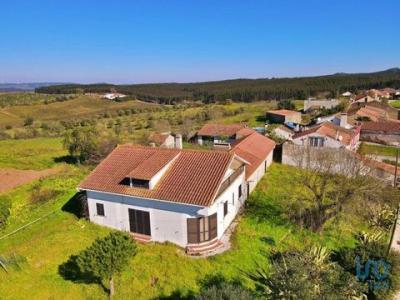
[[169, 41]]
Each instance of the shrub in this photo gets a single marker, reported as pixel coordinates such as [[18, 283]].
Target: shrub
[[225, 290], [28, 121], [40, 194], [5, 210]]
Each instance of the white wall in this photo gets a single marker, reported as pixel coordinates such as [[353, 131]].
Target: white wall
[[329, 142], [259, 173], [233, 206], [167, 219]]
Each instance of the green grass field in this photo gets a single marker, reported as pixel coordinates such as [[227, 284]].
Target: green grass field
[[395, 104], [372, 149], [30, 154], [158, 269]]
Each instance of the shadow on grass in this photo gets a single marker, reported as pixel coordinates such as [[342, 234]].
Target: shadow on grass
[[261, 118], [65, 159], [77, 205], [177, 295], [70, 271]]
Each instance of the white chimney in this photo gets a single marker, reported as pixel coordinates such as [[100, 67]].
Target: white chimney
[[178, 141], [153, 145], [343, 120]]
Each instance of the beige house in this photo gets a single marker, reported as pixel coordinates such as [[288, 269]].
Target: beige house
[[283, 116]]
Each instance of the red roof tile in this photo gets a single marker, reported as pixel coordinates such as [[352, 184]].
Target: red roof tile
[[193, 177], [220, 129], [382, 126], [254, 149]]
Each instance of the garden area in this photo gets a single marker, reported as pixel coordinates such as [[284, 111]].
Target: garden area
[[37, 258]]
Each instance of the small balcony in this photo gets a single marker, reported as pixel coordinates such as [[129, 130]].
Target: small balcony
[[227, 182]]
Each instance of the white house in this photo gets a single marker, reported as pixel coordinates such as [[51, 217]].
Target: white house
[[328, 135], [112, 96], [186, 197]]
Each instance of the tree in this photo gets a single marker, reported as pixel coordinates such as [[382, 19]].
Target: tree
[[332, 180], [286, 104], [308, 274], [107, 257], [81, 143]]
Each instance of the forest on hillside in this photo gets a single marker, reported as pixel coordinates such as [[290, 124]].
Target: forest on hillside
[[246, 90]]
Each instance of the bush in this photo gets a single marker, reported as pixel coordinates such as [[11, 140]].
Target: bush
[[5, 207], [40, 194], [369, 248], [28, 121]]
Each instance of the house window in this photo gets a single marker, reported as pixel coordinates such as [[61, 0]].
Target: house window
[[240, 191], [202, 229], [100, 209], [316, 141], [225, 208]]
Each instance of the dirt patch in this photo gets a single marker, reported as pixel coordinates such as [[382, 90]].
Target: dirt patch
[[11, 178]]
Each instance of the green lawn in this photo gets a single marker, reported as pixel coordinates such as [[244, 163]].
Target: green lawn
[[35, 154], [395, 104], [158, 269], [377, 150]]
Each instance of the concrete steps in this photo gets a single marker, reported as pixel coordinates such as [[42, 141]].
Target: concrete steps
[[141, 238], [203, 249]]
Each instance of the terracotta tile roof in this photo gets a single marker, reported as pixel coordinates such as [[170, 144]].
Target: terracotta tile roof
[[220, 129], [244, 132], [151, 162], [331, 130], [282, 112], [193, 177], [379, 165], [159, 138], [373, 113], [382, 126], [254, 149]]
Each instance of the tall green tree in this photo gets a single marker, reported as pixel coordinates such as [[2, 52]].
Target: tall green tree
[[81, 142], [107, 257]]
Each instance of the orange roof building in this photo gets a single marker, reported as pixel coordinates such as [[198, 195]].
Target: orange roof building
[[188, 197]]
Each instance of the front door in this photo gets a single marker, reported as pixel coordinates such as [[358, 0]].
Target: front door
[[139, 221]]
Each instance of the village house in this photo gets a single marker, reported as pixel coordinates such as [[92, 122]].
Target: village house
[[187, 197], [365, 98], [314, 104], [387, 132], [113, 96], [283, 116], [220, 135], [328, 135], [284, 132], [165, 140]]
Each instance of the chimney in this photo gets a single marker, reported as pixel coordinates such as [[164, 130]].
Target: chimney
[[178, 141], [153, 145], [343, 120]]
